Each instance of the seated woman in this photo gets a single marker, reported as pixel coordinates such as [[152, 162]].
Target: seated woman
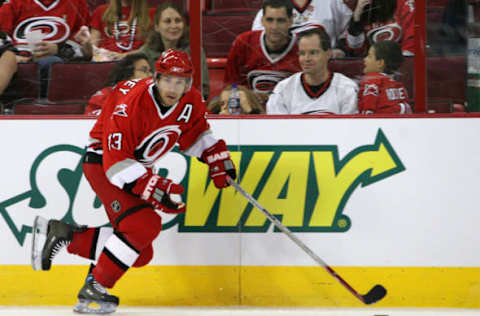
[[171, 31], [248, 102], [8, 66], [133, 66], [119, 28]]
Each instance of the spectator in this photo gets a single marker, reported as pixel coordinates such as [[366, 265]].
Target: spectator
[[379, 92], [315, 90], [133, 66], [119, 28], [8, 64], [260, 59], [376, 20], [248, 102], [372, 21], [45, 31], [332, 15], [171, 31]]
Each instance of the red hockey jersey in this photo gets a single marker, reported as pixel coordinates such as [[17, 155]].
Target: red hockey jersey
[[126, 39], [379, 93], [133, 132], [59, 20], [250, 64]]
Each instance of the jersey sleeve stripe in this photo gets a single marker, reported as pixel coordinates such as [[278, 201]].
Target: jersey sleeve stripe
[[125, 171]]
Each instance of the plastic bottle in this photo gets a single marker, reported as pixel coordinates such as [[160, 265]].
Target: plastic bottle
[[234, 107]]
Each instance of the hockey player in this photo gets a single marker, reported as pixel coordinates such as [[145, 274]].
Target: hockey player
[[260, 59], [379, 92], [315, 90], [141, 122]]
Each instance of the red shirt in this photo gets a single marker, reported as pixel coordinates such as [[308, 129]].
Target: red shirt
[[96, 101], [379, 93], [128, 35], [59, 20], [250, 64]]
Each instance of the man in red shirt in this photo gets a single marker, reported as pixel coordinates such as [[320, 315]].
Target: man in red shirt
[[260, 59], [141, 122]]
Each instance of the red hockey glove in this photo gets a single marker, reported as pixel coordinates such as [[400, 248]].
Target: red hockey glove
[[156, 191], [218, 159]]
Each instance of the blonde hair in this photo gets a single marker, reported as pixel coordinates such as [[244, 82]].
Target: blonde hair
[[139, 10], [215, 106]]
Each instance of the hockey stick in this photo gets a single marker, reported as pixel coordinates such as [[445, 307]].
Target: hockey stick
[[374, 295]]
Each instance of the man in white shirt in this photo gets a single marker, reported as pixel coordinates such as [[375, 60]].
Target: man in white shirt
[[315, 90]]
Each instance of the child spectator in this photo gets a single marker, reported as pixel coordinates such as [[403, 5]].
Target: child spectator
[[248, 102], [132, 66], [171, 31], [119, 28], [379, 92], [372, 21]]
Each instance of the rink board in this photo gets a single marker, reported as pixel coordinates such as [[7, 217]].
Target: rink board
[[389, 201]]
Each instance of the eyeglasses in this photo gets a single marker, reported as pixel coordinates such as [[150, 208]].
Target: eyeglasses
[[144, 70]]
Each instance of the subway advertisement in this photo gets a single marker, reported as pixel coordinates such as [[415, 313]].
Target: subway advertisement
[[380, 200]]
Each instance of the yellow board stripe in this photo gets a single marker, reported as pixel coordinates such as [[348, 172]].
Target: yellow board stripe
[[249, 286]]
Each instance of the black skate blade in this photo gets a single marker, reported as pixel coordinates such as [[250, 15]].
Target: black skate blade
[[375, 294]]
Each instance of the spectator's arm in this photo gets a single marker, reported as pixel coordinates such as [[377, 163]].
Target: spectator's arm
[[8, 67]]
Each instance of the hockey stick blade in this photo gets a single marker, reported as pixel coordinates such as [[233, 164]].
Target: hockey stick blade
[[375, 294]]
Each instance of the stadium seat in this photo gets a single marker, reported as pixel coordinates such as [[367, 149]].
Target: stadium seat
[[216, 70], [232, 4], [26, 83], [221, 27], [77, 81]]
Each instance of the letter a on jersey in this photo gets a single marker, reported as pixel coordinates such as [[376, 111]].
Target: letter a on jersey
[[186, 113]]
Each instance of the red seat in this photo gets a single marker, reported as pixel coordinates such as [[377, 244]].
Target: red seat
[[221, 27], [77, 81], [229, 4], [216, 70], [26, 82]]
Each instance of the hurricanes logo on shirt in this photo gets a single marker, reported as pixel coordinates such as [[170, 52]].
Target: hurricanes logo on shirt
[[54, 29], [157, 144], [264, 81]]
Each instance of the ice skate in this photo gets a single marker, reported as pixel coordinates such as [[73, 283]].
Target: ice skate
[[93, 298], [49, 237]]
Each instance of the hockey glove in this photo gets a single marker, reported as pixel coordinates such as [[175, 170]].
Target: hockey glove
[[156, 191], [218, 159]]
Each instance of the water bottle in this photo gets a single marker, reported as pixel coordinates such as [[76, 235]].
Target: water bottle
[[234, 107]]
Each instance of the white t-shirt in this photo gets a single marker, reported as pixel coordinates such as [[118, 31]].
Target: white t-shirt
[[338, 95]]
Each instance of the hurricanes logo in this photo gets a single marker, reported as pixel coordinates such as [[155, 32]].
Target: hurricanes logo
[[389, 32], [157, 144], [54, 29], [306, 187], [265, 80]]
